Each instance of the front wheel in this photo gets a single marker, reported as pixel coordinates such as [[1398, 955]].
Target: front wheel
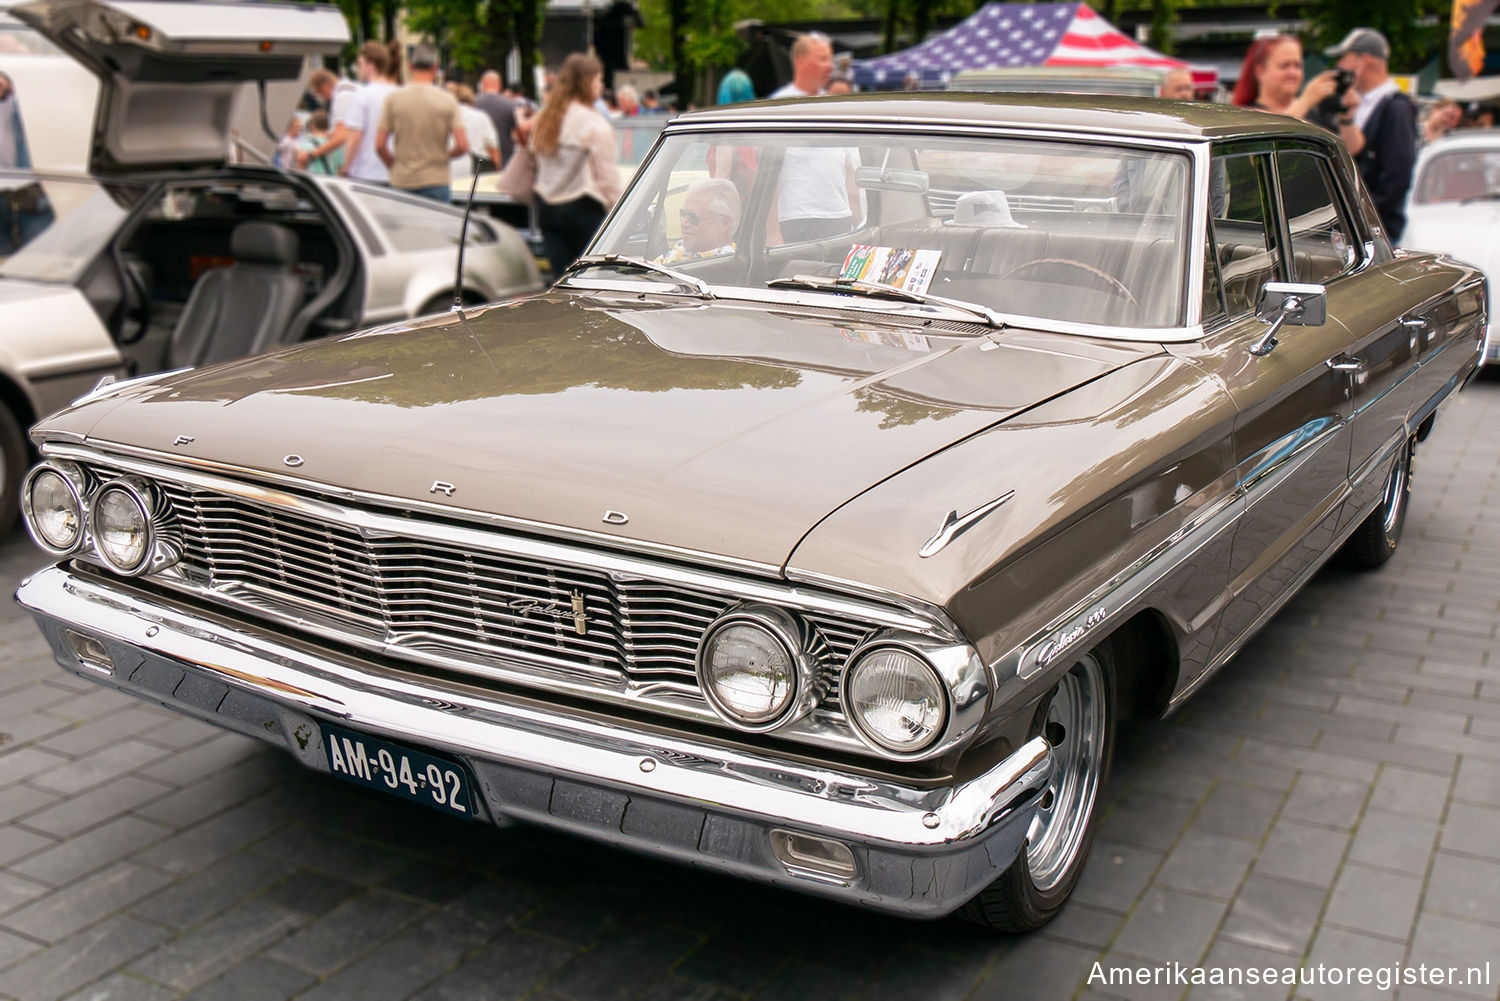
[[1080, 725], [1375, 540], [12, 469]]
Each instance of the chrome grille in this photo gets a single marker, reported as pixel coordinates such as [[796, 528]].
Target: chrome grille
[[419, 595]]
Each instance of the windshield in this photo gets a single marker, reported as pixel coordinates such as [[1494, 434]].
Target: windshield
[[1452, 177], [1065, 231], [51, 228]]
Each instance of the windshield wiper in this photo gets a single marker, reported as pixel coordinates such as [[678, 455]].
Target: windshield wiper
[[874, 290], [625, 260]]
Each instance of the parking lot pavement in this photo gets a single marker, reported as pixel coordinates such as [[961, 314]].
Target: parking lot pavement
[[1333, 797]]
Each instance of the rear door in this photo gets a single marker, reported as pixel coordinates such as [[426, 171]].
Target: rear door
[[178, 81]]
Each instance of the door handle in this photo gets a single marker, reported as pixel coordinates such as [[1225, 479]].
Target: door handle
[[1415, 323], [1345, 363]]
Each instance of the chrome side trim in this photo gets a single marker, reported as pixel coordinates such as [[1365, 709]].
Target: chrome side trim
[[859, 807], [1105, 606]]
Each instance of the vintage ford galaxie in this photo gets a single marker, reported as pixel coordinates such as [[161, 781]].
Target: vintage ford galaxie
[[821, 523]]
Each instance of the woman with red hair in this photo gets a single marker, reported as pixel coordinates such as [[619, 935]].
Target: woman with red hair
[[1271, 78]]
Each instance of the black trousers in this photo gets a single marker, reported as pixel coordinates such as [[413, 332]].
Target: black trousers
[[567, 229]]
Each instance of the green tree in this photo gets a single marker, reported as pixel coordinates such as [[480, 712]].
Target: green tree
[[479, 34], [1412, 44]]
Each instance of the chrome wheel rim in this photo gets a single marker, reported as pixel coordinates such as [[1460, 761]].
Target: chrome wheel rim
[[1075, 729], [1395, 491]]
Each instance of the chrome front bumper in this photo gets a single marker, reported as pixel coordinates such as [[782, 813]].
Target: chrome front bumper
[[919, 851]]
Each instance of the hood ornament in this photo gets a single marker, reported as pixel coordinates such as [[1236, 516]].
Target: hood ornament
[[955, 524]]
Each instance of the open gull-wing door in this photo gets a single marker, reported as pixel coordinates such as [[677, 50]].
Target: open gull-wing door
[[174, 74]]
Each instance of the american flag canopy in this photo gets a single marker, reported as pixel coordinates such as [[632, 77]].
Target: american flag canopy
[[1003, 35]]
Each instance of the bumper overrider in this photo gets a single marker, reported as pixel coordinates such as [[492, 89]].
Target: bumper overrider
[[910, 849]]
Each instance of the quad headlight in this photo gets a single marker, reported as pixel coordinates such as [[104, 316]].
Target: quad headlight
[[122, 526], [755, 669], [53, 506], [125, 523], [895, 699]]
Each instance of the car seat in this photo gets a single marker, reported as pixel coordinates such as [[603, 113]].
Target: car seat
[[246, 308]]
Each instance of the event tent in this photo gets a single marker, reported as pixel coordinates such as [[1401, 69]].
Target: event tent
[[1006, 35]]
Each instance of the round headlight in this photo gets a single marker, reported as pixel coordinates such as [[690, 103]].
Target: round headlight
[[122, 528], [53, 510], [895, 699], [753, 669]]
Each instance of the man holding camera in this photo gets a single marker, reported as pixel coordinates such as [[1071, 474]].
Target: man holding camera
[[1388, 120]]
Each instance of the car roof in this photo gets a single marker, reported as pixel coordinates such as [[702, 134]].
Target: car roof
[[1464, 139], [1084, 113]]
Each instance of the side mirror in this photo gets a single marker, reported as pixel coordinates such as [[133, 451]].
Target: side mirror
[[1283, 303]]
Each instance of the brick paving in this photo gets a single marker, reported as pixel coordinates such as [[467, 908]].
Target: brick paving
[[1332, 797]]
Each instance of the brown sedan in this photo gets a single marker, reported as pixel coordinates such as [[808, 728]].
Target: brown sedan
[[819, 526]]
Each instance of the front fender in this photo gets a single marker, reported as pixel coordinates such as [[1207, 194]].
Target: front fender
[[1105, 479]]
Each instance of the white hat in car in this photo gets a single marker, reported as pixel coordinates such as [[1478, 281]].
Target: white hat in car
[[984, 208]]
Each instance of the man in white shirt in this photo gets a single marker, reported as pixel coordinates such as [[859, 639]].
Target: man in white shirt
[[483, 140], [340, 96], [813, 200], [812, 65], [375, 69]]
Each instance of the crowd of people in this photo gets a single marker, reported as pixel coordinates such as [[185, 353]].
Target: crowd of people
[[421, 137]]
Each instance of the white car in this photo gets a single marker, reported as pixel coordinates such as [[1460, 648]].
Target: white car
[[1454, 207], [164, 256]]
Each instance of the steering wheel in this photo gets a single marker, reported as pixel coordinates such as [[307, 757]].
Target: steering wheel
[[139, 304], [1109, 282]]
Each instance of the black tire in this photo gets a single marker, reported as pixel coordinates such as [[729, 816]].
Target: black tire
[[13, 463], [1376, 538], [1033, 890]]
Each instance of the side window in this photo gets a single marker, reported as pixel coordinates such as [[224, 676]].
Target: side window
[[1321, 245], [1244, 247], [413, 226]]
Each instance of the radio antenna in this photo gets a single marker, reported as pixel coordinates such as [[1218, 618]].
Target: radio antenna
[[463, 239]]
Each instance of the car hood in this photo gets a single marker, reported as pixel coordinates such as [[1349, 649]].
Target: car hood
[[725, 429], [1469, 231]]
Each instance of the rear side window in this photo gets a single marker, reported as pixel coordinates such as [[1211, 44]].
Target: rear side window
[[1321, 245], [1245, 250]]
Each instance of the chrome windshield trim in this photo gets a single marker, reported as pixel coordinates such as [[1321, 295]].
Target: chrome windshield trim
[[951, 126], [489, 540], [909, 311]]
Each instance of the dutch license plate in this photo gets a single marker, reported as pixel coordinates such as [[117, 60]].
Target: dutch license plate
[[411, 774]]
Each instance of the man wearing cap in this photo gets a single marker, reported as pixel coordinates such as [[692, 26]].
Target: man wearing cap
[[423, 118], [1388, 120]]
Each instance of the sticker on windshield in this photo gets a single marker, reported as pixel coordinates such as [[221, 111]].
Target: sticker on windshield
[[900, 267]]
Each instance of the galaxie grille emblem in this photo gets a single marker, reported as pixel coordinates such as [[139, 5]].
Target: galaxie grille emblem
[[440, 485], [616, 518], [554, 610], [294, 460], [184, 439]]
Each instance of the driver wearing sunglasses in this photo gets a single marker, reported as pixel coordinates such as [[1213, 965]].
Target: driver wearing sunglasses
[[709, 215]]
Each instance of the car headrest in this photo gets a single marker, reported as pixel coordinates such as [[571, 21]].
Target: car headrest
[[263, 243]]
